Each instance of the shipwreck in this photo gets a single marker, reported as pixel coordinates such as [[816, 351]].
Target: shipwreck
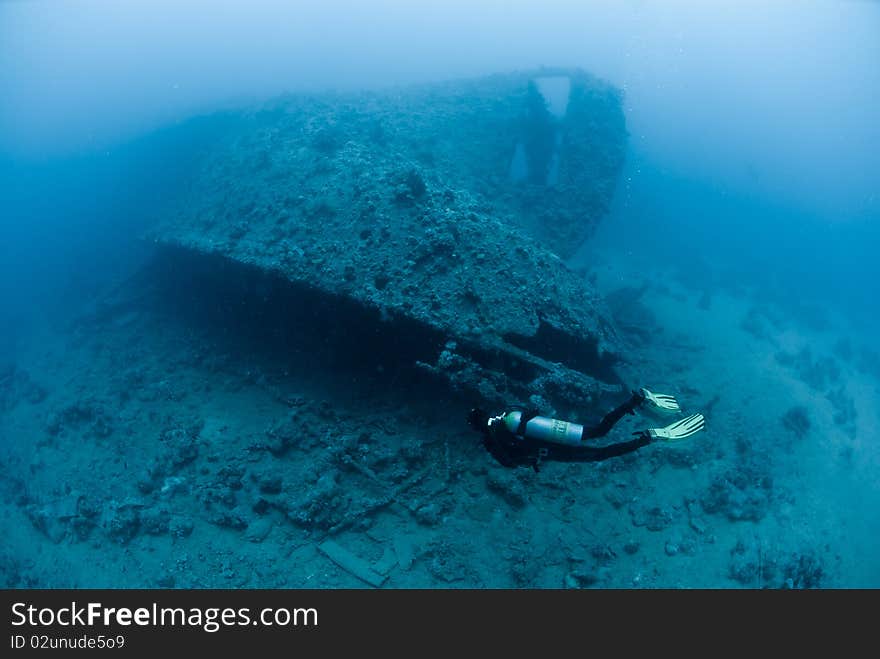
[[442, 214]]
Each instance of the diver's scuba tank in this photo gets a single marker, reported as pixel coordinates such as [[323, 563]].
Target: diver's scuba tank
[[542, 428]]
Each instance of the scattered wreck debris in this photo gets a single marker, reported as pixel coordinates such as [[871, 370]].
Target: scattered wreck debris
[[352, 564]]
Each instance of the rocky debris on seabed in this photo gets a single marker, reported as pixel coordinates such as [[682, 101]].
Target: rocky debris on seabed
[[333, 502], [760, 324], [696, 521], [653, 518], [429, 513], [618, 495], [354, 565], [56, 518], [155, 521], [603, 553], [682, 456], [450, 564], [180, 447], [289, 433], [755, 565], [356, 474], [742, 492], [122, 520], [508, 485], [324, 504], [270, 483], [235, 519], [85, 413], [797, 421], [76, 517], [258, 530], [817, 372], [17, 572], [802, 571], [631, 547], [580, 579], [16, 385], [405, 549], [180, 526], [303, 471], [845, 415], [680, 543], [525, 561], [752, 564]]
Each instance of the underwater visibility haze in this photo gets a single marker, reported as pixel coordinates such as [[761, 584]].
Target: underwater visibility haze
[[439, 294]]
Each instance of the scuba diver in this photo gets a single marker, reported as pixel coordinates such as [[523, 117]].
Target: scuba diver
[[522, 438]]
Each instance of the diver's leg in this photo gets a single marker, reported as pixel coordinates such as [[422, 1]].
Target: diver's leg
[[615, 415], [597, 453]]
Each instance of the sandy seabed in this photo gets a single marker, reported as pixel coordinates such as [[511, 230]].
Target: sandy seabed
[[148, 445]]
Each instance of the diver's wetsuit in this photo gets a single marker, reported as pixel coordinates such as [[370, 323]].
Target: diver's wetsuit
[[514, 449]]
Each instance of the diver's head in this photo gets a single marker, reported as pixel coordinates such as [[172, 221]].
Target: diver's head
[[478, 419]]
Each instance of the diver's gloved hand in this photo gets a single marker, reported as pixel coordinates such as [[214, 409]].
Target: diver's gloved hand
[[659, 403]]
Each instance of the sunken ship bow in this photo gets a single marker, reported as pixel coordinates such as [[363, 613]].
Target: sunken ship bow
[[440, 215]]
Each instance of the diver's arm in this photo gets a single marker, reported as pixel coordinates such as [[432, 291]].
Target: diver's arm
[[615, 415]]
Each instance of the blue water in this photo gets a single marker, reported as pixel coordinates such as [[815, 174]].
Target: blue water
[[747, 209]]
